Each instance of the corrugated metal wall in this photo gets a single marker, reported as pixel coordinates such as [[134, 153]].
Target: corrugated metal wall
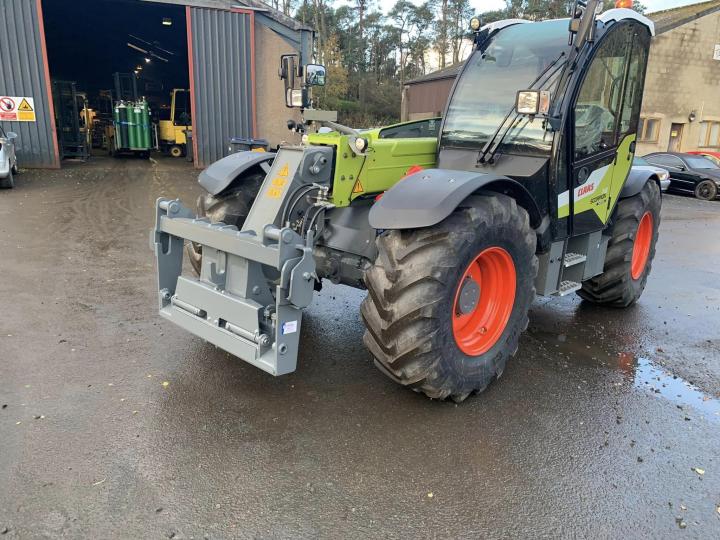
[[22, 73], [222, 80]]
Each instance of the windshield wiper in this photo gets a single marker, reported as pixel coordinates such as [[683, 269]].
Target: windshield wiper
[[492, 148]]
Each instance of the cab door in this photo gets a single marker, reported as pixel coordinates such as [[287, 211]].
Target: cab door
[[630, 109], [602, 148]]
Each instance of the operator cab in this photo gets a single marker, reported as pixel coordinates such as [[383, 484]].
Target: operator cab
[[522, 108]]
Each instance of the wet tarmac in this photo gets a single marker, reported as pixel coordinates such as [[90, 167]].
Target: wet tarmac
[[115, 423]]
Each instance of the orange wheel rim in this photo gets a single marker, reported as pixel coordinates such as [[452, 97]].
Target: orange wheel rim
[[483, 301], [641, 248]]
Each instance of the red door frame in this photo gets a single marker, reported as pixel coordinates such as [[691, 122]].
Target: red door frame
[[191, 66], [48, 84]]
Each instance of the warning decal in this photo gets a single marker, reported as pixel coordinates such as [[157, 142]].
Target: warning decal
[[358, 187], [17, 109], [284, 171]]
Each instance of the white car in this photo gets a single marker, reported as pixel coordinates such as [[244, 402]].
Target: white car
[[662, 174], [8, 160]]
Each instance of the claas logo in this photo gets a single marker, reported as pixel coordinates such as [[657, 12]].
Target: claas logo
[[586, 189]]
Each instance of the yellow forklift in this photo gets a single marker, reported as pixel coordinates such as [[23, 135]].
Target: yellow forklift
[[175, 123]]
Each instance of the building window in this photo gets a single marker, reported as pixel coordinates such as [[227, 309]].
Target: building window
[[648, 130], [709, 134]]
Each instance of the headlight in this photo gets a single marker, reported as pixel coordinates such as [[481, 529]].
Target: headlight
[[664, 175], [475, 24], [361, 144]]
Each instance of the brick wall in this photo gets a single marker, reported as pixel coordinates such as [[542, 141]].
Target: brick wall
[[682, 78]]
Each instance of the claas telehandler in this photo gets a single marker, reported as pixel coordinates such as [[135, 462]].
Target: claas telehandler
[[524, 187]]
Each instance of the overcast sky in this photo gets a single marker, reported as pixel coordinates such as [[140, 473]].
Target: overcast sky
[[487, 5]]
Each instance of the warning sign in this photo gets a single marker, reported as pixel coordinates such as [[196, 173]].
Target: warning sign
[[358, 187], [17, 109]]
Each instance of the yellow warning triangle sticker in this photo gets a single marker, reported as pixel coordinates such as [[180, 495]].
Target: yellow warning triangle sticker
[[284, 171], [24, 106], [358, 187]]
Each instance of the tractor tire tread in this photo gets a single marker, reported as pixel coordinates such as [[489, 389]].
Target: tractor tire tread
[[615, 286], [405, 309]]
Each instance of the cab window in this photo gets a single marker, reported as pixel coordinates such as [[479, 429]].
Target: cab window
[[634, 87], [598, 106], [419, 129]]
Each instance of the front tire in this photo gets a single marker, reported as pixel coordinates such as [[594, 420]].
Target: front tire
[[706, 190], [630, 252], [176, 151], [230, 206], [446, 304]]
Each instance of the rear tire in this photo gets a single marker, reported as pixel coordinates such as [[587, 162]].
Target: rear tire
[[706, 190], [630, 252], [230, 206], [413, 314], [176, 151]]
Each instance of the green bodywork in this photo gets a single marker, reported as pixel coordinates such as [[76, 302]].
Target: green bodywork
[[384, 163], [592, 196]]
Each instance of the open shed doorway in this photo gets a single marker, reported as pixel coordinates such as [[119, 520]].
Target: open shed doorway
[[88, 42]]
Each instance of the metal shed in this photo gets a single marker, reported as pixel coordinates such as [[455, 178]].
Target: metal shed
[[233, 53]]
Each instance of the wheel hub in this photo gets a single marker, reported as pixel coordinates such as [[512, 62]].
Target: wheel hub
[[469, 296]]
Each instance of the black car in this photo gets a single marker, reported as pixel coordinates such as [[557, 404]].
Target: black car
[[689, 173]]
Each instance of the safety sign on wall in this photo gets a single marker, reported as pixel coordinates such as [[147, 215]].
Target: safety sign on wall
[[17, 109]]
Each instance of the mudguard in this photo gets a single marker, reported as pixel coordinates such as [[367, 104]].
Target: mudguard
[[635, 182], [427, 197], [220, 174]]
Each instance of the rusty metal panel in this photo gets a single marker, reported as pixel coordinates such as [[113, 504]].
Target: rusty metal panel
[[221, 80], [23, 73]]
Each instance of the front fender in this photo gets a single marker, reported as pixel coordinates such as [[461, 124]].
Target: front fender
[[220, 174], [636, 180], [427, 197]]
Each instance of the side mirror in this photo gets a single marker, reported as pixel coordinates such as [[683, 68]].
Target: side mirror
[[11, 135], [315, 75], [532, 102], [288, 70]]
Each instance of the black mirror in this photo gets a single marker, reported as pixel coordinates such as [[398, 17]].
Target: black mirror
[[288, 70], [315, 75]]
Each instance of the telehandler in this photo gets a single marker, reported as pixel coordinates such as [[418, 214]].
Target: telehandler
[[526, 189]]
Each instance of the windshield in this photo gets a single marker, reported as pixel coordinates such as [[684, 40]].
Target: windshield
[[639, 161], [698, 162], [485, 93]]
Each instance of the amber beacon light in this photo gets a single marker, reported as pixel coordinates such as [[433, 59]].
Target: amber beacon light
[[624, 4]]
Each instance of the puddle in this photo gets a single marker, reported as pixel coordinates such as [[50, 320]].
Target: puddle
[[651, 378]]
